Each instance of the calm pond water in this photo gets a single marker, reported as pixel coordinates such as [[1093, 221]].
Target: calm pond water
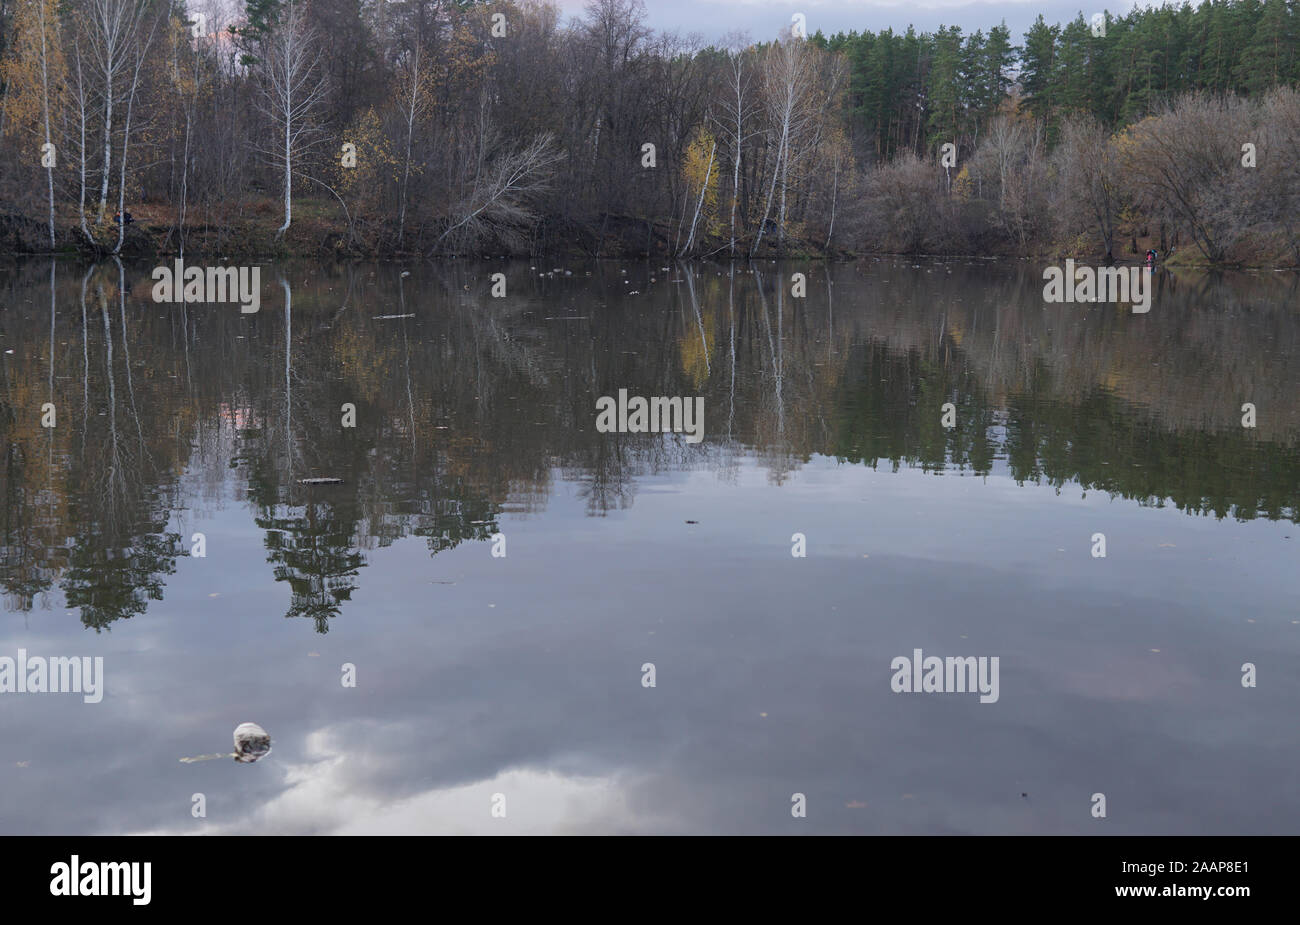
[[523, 675]]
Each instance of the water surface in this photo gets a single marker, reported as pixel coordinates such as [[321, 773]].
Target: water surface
[[522, 675]]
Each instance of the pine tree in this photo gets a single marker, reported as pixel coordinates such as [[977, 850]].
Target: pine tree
[[1072, 72], [994, 78], [1038, 68], [944, 88], [262, 16], [1269, 58]]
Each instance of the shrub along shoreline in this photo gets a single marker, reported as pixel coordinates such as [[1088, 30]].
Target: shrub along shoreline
[[149, 236]]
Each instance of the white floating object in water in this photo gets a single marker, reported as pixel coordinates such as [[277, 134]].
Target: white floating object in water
[[251, 743], [387, 317], [320, 481]]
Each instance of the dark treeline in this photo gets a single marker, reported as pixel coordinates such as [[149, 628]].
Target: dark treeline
[[452, 127], [912, 92], [468, 408]]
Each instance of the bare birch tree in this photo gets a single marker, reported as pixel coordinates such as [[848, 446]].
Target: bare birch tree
[[45, 25], [32, 74], [291, 91], [81, 102], [189, 73], [416, 100], [795, 104], [110, 29], [140, 52], [736, 109]]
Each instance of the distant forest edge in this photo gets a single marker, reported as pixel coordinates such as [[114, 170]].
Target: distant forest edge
[[460, 128]]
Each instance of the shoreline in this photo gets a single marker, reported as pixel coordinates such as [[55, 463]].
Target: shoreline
[[320, 235], [85, 254]]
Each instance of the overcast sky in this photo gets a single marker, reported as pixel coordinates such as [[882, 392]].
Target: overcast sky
[[764, 18]]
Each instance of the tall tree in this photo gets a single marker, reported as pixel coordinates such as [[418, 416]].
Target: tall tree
[[33, 72], [1038, 68], [291, 90]]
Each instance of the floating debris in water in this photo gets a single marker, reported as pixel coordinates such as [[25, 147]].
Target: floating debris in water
[[387, 317], [320, 481], [251, 744]]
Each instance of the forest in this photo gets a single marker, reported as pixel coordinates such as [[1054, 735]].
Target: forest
[[440, 128]]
